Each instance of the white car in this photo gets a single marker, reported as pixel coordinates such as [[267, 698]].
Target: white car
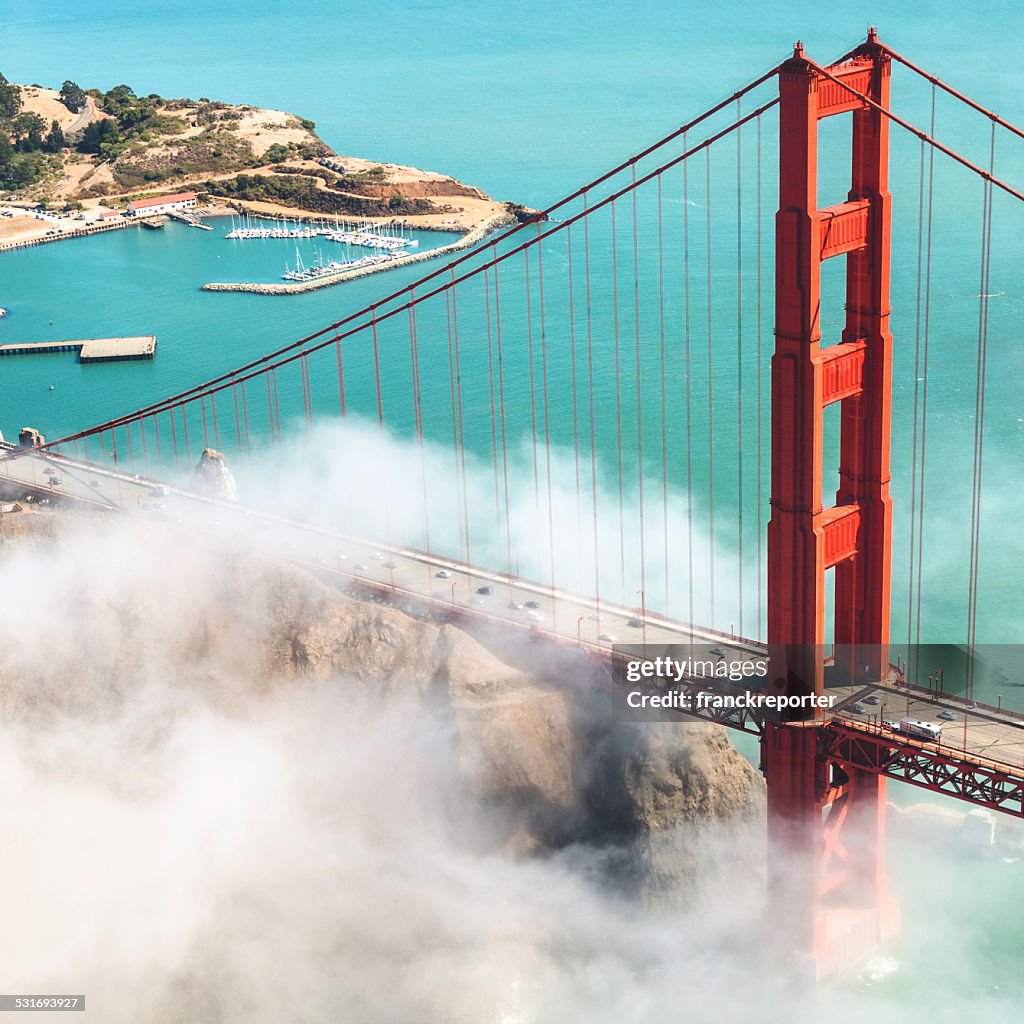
[[608, 638], [534, 616], [443, 574]]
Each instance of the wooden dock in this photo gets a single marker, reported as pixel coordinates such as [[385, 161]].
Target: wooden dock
[[90, 350]]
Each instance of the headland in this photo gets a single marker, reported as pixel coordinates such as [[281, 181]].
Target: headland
[[73, 161]]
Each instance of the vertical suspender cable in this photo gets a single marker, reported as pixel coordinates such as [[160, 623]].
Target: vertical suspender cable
[[380, 420], [664, 405], [979, 421], [307, 410], [760, 522], [277, 404], [590, 390], [245, 418], [575, 392], [213, 412], [711, 407], [238, 418], [547, 422], [184, 430], [501, 409], [917, 387], [341, 376], [533, 391], [174, 437], [924, 396], [639, 400], [618, 410], [689, 389], [462, 426], [417, 402], [739, 358], [455, 422], [493, 404], [270, 405]]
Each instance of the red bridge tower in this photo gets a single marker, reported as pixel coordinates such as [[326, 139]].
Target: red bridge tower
[[828, 889]]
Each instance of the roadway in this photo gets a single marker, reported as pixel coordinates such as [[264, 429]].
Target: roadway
[[415, 581], [85, 117]]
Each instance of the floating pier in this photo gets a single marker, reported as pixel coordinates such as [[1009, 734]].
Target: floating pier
[[90, 350], [187, 218]]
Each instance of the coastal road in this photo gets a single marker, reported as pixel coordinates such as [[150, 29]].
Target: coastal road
[[85, 117]]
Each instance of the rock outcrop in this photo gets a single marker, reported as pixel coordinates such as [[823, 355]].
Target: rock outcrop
[[213, 476], [539, 756]]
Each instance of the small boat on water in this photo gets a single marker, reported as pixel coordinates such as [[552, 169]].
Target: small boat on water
[[3, 312]]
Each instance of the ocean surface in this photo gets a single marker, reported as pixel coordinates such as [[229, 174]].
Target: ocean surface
[[528, 101]]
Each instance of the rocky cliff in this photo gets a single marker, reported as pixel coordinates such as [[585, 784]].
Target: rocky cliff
[[536, 754]]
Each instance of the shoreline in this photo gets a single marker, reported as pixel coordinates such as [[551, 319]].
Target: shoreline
[[469, 239], [39, 235], [84, 231]]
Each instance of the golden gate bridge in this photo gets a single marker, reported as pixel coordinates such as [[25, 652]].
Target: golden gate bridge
[[628, 318]]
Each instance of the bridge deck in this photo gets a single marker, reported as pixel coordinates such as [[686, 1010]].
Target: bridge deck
[[983, 738]]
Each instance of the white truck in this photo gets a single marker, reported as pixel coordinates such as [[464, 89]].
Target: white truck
[[919, 730]]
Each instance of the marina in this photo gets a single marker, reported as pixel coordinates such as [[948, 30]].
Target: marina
[[322, 267], [385, 237], [90, 350]]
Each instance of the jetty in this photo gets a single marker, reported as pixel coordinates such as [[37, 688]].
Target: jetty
[[187, 218], [295, 287], [90, 350]]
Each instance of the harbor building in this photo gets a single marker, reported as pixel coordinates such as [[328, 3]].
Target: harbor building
[[161, 204]]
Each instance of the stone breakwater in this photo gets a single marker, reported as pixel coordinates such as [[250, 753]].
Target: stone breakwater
[[471, 238]]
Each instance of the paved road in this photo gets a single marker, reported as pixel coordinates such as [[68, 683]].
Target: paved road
[[981, 733], [85, 117]]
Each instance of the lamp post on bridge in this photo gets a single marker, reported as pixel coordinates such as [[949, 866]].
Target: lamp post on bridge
[[453, 592], [643, 618], [579, 630]]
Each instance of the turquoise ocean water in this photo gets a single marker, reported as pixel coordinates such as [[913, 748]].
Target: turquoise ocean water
[[528, 101]]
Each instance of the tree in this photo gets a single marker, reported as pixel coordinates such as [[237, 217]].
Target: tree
[[98, 134], [72, 96], [119, 99], [23, 169], [10, 99], [55, 141], [27, 131]]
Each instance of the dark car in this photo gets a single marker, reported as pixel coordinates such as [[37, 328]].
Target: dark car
[[485, 590], [531, 604], [635, 622]]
